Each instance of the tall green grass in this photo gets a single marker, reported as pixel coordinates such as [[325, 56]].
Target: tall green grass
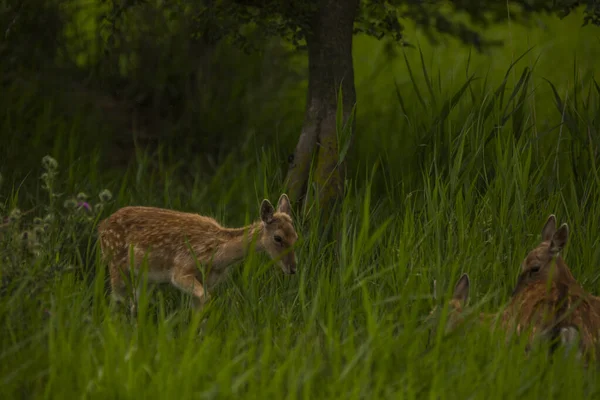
[[463, 184], [354, 325]]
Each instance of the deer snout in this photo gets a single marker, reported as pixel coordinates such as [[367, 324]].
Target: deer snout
[[290, 264]]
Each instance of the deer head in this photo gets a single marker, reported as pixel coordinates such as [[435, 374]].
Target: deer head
[[278, 234], [538, 263]]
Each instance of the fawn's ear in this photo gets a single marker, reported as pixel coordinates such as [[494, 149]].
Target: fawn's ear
[[461, 290], [283, 205], [559, 239], [266, 211], [549, 228]]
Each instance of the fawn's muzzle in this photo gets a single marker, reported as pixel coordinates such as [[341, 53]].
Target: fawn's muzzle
[[289, 264]]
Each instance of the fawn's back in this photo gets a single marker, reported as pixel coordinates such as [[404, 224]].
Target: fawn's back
[[163, 236]]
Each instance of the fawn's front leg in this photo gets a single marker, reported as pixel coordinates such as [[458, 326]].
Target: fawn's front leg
[[186, 281]]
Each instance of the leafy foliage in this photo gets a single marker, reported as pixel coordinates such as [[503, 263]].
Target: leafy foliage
[[293, 21], [49, 239]]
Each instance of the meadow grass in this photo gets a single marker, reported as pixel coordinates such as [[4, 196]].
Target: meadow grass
[[447, 178]]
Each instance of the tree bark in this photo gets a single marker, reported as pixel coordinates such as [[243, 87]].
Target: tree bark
[[330, 66]]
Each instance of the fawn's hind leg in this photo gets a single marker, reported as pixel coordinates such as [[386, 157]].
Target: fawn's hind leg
[[118, 283], [187, 282]]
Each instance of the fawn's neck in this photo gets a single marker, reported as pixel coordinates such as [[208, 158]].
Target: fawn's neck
[[237, 242]]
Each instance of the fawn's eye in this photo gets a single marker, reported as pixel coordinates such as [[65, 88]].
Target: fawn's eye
[[535, 268], [278, 239]]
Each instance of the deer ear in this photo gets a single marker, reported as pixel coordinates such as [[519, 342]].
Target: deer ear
[[266, 211], [549, 228], [283, 205], [461, 290], [559, 239]]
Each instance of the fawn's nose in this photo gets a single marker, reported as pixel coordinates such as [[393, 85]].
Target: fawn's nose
[[291, 262]]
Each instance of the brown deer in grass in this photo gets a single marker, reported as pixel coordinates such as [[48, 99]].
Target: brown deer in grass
[[548, 305], [547, 301], [174, 243], [548, 297]]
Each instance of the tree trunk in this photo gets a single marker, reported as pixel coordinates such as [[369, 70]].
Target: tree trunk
[[330, 66]]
